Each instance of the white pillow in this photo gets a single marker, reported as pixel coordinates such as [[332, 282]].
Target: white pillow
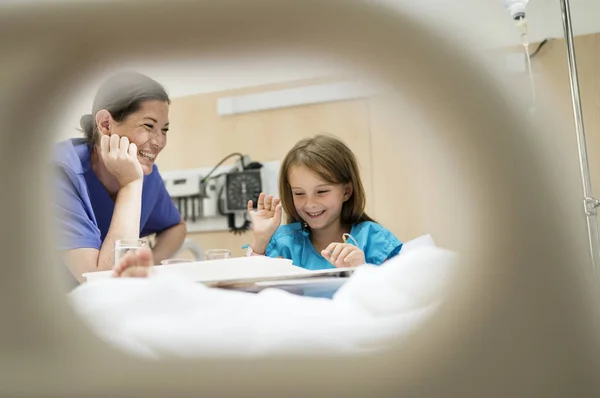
[[414, 280], [421, 241]]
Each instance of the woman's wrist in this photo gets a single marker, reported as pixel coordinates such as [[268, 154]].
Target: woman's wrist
[[133, 186]]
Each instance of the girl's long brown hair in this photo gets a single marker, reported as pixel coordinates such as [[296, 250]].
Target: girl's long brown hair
[[334, 163]]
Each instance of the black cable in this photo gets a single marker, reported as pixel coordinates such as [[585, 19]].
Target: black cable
[[538, 48], [251, 166], [220, 201], [219, 175], [231, 216], [220, 163], [238, 230]]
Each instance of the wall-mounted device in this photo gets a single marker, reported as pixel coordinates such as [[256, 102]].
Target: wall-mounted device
[[216, 198], [240, 187], [187, 193]]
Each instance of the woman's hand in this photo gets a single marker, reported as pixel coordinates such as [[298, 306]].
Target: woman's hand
[[265, 220], [121, 159], [344, 255]]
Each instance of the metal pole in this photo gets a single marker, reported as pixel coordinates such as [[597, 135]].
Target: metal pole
[[590, 203]]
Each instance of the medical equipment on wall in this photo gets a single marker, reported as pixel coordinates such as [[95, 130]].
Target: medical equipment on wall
[[187, 194], [222, 193], [239, 185]]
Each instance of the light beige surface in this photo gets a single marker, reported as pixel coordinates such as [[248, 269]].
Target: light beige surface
[[392, 143], [199, 137]]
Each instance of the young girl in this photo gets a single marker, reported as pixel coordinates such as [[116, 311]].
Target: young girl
[[324, 200]]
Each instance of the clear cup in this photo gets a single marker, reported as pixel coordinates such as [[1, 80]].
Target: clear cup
[[170, 261], [123, 246], [217, 254]]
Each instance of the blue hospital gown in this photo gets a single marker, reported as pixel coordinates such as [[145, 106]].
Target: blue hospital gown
[[292, 242]]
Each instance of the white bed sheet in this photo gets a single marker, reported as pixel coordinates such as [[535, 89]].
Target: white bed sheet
[[164, 316]]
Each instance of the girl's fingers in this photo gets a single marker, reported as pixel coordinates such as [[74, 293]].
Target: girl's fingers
[[336, 252], [268, 202], [351, 256], [341, 258], [328, 250], [260, 205], [278, 213], [275, 203]]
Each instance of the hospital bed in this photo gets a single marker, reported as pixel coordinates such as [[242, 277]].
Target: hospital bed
[[520, 318], [168, 315]]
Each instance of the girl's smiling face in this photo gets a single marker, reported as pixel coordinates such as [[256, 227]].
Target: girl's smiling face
[[317, 202]]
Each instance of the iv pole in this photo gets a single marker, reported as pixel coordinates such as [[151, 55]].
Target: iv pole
[[590, 203]]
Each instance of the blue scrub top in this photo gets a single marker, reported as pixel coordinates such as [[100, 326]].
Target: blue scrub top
[[83, 207], [292, 242]]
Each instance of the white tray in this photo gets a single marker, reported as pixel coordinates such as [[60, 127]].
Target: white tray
[[233, 271]]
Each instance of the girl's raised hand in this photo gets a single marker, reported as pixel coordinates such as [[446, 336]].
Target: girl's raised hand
[[267, 216]]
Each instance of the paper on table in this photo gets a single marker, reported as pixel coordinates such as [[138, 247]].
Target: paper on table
[[231, 270]]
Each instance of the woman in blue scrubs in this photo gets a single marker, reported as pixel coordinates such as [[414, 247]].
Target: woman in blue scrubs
[[107, 185]]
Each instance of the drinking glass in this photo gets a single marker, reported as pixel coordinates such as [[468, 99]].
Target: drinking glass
[[123, 246], [170, 261], [217, 254]]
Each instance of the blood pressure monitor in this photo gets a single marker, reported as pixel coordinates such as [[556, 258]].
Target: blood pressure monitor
[[240, 187]]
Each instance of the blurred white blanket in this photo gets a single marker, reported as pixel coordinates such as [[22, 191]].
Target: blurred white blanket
[[171, 317]]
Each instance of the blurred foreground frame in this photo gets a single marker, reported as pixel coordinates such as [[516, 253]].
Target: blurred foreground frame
[[520, 319]]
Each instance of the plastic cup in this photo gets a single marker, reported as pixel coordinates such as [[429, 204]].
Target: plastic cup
[[217, 254]]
